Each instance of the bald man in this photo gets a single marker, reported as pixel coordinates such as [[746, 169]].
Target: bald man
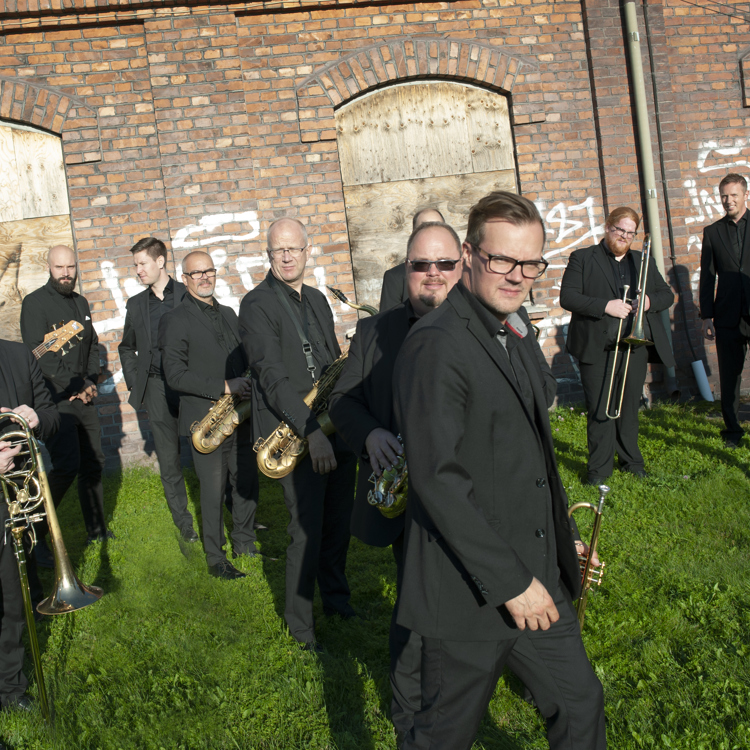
[[203, 360], [395, 289], [71, 378]]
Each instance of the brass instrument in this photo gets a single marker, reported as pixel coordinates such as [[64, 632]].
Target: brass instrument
[[637, 337], [590, 576], [223, 418], [390, 489], [280, 452], [27, 494]]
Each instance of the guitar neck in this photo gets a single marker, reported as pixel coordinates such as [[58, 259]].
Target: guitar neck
[[42, 348]]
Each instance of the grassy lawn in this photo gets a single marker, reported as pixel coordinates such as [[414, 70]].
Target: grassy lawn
[[171, 658]]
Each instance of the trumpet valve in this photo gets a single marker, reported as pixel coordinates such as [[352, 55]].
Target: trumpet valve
[[595, 574]]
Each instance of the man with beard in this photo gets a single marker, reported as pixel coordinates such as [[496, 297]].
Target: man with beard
[[592, 289], [490, 562], [203, 360], [395, 287], [361, 409], [288, 334], [144, 374], [726, 316], [76, 449]]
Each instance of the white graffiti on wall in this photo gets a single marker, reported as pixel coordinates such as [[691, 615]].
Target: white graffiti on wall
[[244, 266], [565, 224], [713, 156]]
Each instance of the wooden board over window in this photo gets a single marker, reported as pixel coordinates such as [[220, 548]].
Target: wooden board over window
[[439, 144]]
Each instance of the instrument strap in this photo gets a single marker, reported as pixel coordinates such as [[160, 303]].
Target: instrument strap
[[306, 345]]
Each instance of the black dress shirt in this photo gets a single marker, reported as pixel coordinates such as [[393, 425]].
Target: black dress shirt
[[737, 234], [301, 307], [156, 308], [224, 335], [624, 273]]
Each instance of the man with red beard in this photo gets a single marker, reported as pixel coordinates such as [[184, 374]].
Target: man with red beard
[[592, 289], [76, 449]]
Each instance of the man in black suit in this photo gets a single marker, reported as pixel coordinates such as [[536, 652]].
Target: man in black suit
[[361, 409], [275, 318], [491, 565], [592, 289], [202, 357], [76, 449], [726, 316], [22, 391], [395, 286], [144, 374]]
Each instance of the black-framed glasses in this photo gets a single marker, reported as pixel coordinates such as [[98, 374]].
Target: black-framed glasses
[[278, 252], [624, 233], [423, 266], [531, 269], [209, 273]]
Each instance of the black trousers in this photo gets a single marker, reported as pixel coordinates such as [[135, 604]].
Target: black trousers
[[605, 436], [76, 450], [320, 510], [13, 682], [406, 660], [163, 408], [234, 459], [459, 678], [731, 349]]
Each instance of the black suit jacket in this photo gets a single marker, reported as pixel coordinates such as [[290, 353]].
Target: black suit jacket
[[587, 287], [22, 382], [394, 290], [195, 364], [274, 351], [487, 510], [363, 401], [732, 300], [135, 347], [64, 375]]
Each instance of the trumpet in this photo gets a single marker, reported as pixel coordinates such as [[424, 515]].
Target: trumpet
[[637, 336], [590, 576], [28, 497]]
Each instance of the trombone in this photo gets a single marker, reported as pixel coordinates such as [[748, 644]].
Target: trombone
[[636, 338], [28, 497]]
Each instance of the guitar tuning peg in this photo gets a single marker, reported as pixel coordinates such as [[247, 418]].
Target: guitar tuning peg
[[54, 326], [80, 338], [63, 352]]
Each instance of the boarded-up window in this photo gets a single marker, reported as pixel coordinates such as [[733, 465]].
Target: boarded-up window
[[34, 216], [438, 144]]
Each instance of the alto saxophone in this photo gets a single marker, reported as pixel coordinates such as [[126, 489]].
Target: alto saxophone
[[223, 418], [280, 452]]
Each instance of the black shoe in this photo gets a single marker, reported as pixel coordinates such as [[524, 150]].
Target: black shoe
[[23, 703], [225, 570], [594, 481], [260, 527], [732, 442], [43, 555], [312, 647], [345, 614], [640, 473], [189, 535], [91, 538]]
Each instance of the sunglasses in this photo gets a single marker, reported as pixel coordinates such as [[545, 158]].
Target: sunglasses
[[423, 266]]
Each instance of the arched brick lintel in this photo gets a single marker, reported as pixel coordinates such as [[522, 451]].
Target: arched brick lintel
[[406, 57], [53, 110]]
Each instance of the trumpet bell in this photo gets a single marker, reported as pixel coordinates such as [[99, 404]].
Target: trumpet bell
[[69, 596]]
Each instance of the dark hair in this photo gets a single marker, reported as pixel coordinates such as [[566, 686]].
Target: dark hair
[[155, 248], [505, 206], [622, 212], [428, 225], [732, 178], [415, 218]]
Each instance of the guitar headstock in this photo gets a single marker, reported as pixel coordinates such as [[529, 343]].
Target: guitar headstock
[[62, 334]]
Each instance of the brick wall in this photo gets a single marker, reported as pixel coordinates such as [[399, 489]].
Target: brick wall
[[201, 125]]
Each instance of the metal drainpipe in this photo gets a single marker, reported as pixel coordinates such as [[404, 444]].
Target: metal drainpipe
[[646, 159]]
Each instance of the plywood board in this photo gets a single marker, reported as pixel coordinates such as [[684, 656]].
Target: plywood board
[[23, 263], [41, 174], [10, 195], [423, 130], [379, 218]]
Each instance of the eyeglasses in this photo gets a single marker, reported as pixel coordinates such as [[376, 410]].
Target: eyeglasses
[[278, 252], [209, 273], [423, 266], [530, 269], [624, 233]]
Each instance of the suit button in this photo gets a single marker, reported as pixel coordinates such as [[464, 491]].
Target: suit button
[[541, 483], [540, 533]]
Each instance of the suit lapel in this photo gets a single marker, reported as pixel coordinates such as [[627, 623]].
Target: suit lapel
[[728, 246], [64, 311], [600, 256], [198, 315], [146, 314], [319, 308]]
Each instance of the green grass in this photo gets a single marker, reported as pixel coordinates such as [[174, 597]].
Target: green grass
[[171, 658]]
